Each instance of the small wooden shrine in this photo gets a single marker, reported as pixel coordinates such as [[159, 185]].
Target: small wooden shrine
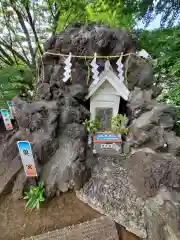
[[105, 96]]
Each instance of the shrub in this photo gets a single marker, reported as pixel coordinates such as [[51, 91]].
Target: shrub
[[117, 124], [92, 126], [35, 196]]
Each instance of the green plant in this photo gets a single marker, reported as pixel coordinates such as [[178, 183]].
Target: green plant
[[92, 126], [16, 80], [177, 125], [117, 124], [123, 156], [35, 196]]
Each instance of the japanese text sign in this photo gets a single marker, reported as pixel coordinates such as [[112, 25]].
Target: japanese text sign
[[27, 158], [107, 143], [107, 137], [6, 118]]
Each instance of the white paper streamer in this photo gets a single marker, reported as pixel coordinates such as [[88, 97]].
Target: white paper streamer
[[120, 69], [67, 68], [107, 65], [95, 70]]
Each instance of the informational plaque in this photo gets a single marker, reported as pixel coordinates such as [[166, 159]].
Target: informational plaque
[[6, 119], [11, 106], [27, 158], [107, 143]]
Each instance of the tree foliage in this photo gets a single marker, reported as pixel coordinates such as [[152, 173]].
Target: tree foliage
[[15, 80], [85, 11], [163, 45], [22, 33], [148, 10]]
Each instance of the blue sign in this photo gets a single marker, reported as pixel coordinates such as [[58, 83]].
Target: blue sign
[[108, 136]]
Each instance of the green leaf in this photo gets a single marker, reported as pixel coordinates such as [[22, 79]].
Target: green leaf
[[35, 196]]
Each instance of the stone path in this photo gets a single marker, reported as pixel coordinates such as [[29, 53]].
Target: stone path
[[98, 229]]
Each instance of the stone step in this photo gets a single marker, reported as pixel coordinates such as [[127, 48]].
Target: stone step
[[98, 229]]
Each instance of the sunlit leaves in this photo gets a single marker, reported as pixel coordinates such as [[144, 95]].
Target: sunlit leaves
[[17, 80], [118, 124], [147, 10], [101, 11], [92, 126], [163, 45], [174, 95]]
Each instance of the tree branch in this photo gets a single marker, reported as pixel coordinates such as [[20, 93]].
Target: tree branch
[[9, 48], [6, 56], [24, 28], [24, 53], [9, 31], [6, 61]]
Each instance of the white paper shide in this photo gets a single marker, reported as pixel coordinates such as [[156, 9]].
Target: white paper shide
[[67, 68]]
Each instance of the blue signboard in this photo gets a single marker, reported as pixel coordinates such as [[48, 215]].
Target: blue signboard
[[107, 137]]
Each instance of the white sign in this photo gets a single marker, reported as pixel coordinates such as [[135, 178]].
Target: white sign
[[11, 106], [27, 158], [6, 118], [111, 145], [105, 145]]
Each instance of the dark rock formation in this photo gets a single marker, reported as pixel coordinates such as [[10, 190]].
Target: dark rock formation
[[151, 124], [67, 168], [57, 140], [141, 193], [86, 41]]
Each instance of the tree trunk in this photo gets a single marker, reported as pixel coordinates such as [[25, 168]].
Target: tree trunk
[[33, 29]]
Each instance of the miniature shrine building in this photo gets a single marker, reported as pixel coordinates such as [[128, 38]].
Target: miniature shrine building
[[105, 96]]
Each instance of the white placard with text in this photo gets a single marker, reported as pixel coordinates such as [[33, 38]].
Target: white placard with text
[[6, 118], [27, 158]]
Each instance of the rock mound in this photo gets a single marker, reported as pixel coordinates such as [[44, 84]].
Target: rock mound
[[142, 193], [53, 123], [81, 40]]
